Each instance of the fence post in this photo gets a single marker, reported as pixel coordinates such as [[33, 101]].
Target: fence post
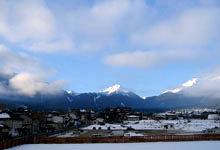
[[34, 139], [26, 140]]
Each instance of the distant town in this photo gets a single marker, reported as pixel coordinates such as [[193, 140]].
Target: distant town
[[120, 121]]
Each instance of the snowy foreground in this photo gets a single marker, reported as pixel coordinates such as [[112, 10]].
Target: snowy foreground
[[200, 145], [193, 125]]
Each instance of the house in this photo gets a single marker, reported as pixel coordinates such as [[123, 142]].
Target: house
[[122, 110], [158, 117], [117, 133], [168, 126], [165, 116], [27, 124], [4, 131], [196, 115], [14, 123], [215, 130], [99, 121], [121, 113], [133, 118], [55, 121], [35, 125], [1, 107], [36, 122], [214, 117], [23, 109], [73, 116], [49, 117], [58, 119]]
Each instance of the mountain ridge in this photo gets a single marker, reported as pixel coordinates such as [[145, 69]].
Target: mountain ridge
[[109, 98]]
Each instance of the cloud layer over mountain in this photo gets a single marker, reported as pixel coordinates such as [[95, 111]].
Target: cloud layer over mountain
[[25, 74]]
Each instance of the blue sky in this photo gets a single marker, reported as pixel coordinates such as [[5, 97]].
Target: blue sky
[[143, 45]]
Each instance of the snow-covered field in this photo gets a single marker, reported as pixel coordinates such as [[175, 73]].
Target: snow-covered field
[[70, 134], [200, 145], [193, 125]]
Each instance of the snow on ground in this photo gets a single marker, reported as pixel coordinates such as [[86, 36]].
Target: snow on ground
[[106, 126], [193, 125], [200, 145], [4, 115], [70, 134], [133, 134]]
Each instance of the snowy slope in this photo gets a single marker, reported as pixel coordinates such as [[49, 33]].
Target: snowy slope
[[183, 86], [116, 89], [193, 126], [111, 97]]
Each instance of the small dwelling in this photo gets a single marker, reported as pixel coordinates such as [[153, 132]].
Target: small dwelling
[[117, 133], [99, 121], [168, 126], [133, 118], [215, 130], [213, 117]]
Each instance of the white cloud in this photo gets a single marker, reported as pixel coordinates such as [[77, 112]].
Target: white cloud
[[192, 27], [31, 25], [100, 24], [35, 27], [208, 85], [29, 84], [26, 20], [52, 46], [26, 74], [11, 62], [180, 38], [105, 17], [135, 59], [104, 25], [148, 58], [183, 86]]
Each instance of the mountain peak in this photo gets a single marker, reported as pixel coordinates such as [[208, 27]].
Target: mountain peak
[[70, 92], [190, 83], [144, 97], [185, 85], [114, 89]]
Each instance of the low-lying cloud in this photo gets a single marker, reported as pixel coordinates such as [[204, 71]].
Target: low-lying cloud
[[206, 86], [29, 84], [24, 74]]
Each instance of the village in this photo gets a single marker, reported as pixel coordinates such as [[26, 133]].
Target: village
[[120, 121]]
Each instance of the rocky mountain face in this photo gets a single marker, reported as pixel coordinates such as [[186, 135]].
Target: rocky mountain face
[[108, 98]]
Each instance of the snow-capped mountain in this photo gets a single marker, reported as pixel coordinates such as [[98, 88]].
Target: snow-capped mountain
[[144, 97], [117, 96], [109, 98], [72, 93], [183, 86], [116, 89]]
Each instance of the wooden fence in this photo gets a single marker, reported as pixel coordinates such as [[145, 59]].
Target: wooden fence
[[12, 143], [155, 138]]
